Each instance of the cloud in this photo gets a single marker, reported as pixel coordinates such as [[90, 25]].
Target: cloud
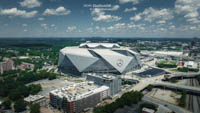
[[16, 12], [45, 26], [115, 7], [152, 14], [128, 1], [189, 9], [107, 7], [71, 28], [24, 25], [90, 29], [100, 15], [130, 9], [41, 19], [136, 26], [117, 26], [171, 27], [136, 17], [193, 20], [48, 26], [30, 3], [192, 15], [53, 25], [59, 11], [193, 28], [161, 22]]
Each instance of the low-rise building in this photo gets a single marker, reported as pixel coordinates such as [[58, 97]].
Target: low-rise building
[[191, 65], [78, 97], [147, 110], [113, 82], [36, 99], [25, 65], [6, 66]]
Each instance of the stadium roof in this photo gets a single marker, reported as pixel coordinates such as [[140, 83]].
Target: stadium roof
[[96, 45], [114, 59], [77, 51]]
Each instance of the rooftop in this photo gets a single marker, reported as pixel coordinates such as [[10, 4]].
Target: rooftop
[[104, 76], [33, 98], [99, 45], [78, 91], [76, 51], [152, 72], [170, 53]]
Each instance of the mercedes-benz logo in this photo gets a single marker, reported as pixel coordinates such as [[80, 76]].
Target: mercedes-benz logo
[[120, 62]]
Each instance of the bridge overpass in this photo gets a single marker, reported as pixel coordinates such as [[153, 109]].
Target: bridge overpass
[[189, 89], [183, 75]]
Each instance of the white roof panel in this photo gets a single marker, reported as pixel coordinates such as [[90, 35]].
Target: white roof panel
[[77, 51], [82, 62], [117, 60], [93, 45]]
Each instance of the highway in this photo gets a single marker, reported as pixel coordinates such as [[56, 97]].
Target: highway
[[168, 105], [176, 86], [193, 102], [157, 81], [144, 82]]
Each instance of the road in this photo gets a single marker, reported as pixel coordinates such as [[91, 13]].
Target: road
[[144, 82], [193, 102], [177, 86], [168, 105]]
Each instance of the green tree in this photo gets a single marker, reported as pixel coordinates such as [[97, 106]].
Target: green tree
[[150, 87], [182, 100], [14, 94], [6, 104], [52, 76], [183, 69], [128, 98], [166, 77], [19, 105], [35, 108], [24, 90], [34, 88]]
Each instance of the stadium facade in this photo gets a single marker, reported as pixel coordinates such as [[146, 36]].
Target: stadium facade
[[98, 58]]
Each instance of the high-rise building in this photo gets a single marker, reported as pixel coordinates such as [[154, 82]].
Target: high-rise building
[[113, 82]]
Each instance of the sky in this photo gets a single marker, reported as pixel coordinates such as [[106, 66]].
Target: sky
[[100, 18]]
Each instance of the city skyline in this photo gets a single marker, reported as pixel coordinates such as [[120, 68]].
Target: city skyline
[[100, 18]]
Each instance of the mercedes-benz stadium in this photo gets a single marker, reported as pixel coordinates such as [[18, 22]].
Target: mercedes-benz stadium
[[98, 58]]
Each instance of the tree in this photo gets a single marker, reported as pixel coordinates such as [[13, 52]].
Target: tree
[[150, 87], [52, 76], [14, 94], [182, 100], [183, 69], [6, 104], [24, 90], [128, 98], [34, 88], [19, 105], [166, 77], [35, 108]]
